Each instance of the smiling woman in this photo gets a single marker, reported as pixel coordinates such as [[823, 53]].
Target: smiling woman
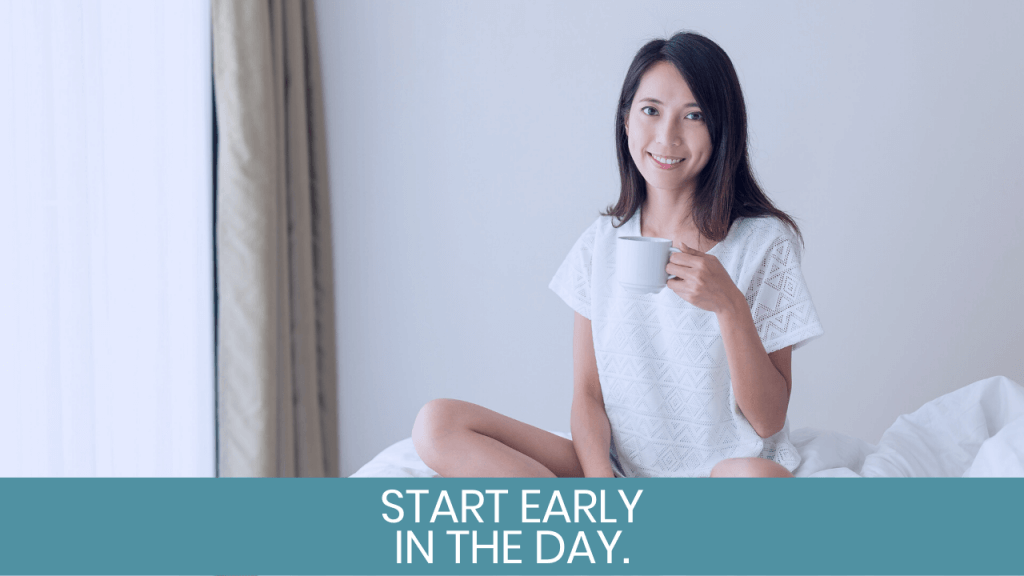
[[691, 381], [684, 101], [504, 114]]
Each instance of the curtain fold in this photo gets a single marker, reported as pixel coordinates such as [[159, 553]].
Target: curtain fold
[[277, 384]]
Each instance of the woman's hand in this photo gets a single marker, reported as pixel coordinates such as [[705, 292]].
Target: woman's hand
[[702, 281]]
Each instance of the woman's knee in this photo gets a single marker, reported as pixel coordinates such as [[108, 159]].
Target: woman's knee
[[749, 468], [436, 419]]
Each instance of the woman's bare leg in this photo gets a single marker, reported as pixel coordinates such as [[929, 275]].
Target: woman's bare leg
[[460, 439], [749, 468]]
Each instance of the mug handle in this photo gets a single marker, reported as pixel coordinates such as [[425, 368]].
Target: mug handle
[[672, 249]]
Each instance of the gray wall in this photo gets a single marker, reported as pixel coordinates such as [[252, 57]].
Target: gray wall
[[471, 143]]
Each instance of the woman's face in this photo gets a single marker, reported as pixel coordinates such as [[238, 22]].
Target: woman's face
[[666, 122]]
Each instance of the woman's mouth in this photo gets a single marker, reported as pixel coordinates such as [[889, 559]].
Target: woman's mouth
[[666, 163]]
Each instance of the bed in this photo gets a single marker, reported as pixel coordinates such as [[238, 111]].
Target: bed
[[975, 431]]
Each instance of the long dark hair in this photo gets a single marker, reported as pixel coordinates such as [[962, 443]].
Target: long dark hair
[[726, 187]]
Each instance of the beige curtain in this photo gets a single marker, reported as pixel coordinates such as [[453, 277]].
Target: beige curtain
[[276, 382]]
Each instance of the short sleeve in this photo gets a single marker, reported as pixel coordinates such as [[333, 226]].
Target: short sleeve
[[573, 278], [780, 303]]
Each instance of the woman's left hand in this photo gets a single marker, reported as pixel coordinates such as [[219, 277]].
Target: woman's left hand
[[702, 281]]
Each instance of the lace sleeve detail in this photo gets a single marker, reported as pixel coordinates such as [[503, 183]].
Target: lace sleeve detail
[[572, 280], [778, 297]]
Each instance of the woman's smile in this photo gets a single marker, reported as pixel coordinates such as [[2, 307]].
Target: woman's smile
[[666, 163]]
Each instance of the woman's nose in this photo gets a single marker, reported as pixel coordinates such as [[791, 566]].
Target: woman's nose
[[670, 134]]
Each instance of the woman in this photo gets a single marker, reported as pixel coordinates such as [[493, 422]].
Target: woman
[[694, 380]]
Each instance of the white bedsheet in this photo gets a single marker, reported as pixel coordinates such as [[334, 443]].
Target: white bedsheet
[[975, 431]]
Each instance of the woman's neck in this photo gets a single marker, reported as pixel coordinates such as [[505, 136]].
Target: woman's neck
[[669, 214]]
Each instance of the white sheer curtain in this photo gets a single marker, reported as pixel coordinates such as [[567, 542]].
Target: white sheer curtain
[[106, 239]]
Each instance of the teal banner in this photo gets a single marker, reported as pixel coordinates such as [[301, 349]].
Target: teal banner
[[511, 526]]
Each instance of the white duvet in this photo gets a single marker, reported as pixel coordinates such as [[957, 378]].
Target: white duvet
[[977, 430]]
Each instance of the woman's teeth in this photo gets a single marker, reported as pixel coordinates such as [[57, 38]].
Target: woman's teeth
[[666, 160]]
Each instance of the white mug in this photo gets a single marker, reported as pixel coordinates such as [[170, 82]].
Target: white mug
[[640, 263]]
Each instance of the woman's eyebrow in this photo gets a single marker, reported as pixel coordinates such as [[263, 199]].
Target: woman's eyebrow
[[656, 101]]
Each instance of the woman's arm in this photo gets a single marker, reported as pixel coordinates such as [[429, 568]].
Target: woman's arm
[[591, 431], [760, 384]]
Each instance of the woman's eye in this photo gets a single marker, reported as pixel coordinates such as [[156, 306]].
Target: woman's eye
[[695, 116], [645, 108]]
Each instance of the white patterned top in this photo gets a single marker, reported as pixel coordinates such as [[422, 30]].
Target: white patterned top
[[661, 361]]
